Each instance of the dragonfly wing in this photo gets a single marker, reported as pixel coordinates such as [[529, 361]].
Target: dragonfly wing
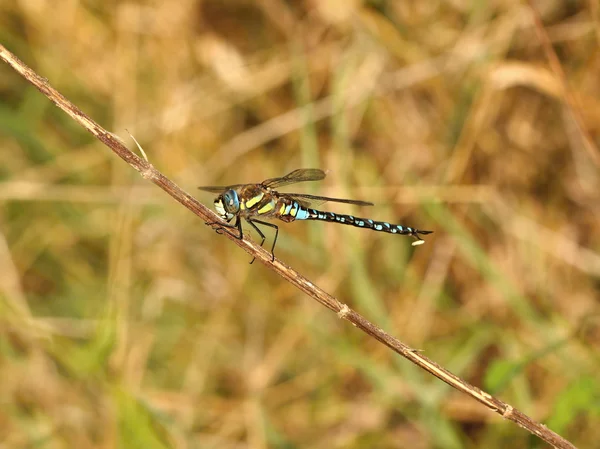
[[300, 175], [220, 189], [307, 200]]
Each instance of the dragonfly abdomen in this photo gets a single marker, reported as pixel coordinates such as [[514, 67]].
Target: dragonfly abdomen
[[367, 223]]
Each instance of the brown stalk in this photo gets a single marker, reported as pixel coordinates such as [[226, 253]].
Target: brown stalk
[[150, 173], [573, 106]]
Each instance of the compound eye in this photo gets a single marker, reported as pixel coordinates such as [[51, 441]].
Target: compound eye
[[231, 201]]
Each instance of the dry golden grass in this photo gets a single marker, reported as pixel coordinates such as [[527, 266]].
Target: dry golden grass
[[126, 322]]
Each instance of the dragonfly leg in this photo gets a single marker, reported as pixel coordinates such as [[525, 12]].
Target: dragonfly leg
[[224, 227], [271, 225], [262, 236], [220, 223]]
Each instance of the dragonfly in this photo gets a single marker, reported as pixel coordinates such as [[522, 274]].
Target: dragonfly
[[253, 202]]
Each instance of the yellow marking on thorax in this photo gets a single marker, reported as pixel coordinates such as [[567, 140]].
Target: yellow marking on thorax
[[254, 200], [267, 208], [285, 209]]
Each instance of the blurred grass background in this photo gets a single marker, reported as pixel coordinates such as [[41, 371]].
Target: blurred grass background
[[125, 322]]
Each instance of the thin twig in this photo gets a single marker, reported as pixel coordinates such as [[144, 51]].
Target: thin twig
[[149, 172]]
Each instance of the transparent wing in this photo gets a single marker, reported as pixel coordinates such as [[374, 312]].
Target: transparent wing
[[300, 175], [220, 189], [314, 200]]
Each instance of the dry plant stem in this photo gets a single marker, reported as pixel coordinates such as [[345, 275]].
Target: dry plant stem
[[572, 105], [149, 172]]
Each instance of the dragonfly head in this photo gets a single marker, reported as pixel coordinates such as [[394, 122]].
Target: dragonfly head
[[227, 204]]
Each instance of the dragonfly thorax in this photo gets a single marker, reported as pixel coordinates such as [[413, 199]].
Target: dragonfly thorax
[[227, 204]]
